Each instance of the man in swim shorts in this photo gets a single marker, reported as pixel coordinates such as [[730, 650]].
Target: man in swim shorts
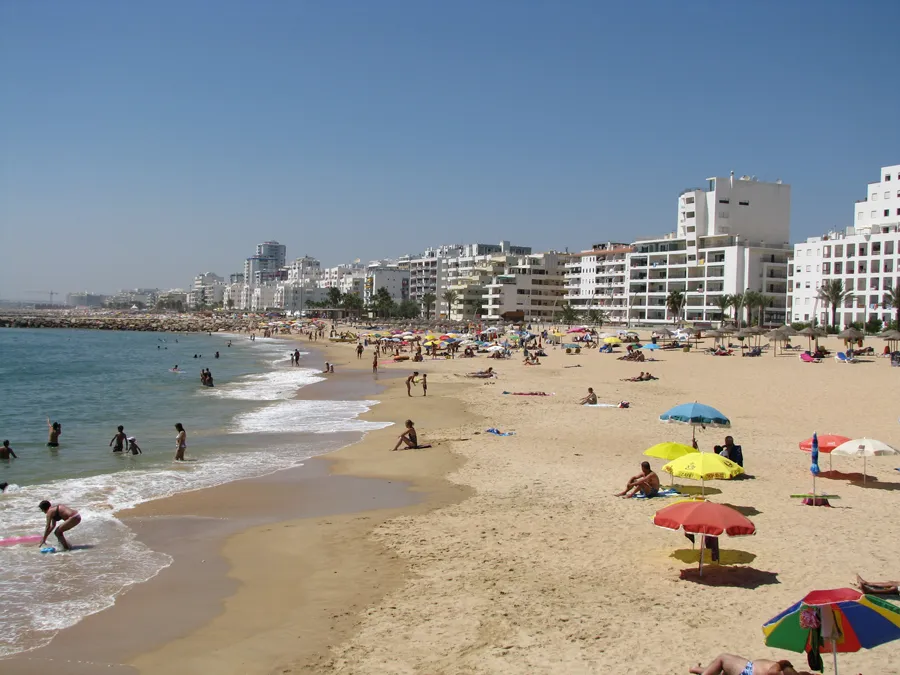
[[729, 664], [118, 439], [60, 512], [6, 452], [646, 482], [590, 399]]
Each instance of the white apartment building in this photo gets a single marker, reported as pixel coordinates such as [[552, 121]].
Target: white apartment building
[[306, 270], [865, 257], [731, 236], [389, 276], [429, 272], [532, 284], [206, 289], [262, 297], [334, 276], [596, 279], [294, 297], [262, 267], [468, 276]]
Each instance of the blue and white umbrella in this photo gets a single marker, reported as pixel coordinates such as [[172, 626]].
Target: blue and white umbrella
[[696, 414]]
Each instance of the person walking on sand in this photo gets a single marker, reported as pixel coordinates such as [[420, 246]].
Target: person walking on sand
[[375, 364], [54, 432], [119, 439], [359, 350], [60, 512], [424, 384], [410, 381], [6, 452], [180, 442]]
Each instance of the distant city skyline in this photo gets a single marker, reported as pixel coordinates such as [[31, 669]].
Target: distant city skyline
[[144, 144]]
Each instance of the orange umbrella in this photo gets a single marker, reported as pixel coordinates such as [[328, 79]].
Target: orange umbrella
[[827, 443]]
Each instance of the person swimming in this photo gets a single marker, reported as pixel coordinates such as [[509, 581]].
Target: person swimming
[[54, 432]]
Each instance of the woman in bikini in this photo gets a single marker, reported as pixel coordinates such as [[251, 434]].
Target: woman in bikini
[[60, 512], [409, 437], [729, 664], [180, 442]]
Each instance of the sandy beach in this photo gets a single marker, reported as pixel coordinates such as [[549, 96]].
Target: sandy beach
[[489, 554]]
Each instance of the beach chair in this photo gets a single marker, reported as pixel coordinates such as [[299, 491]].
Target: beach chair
[[841, 357], [895, 359], [806, 357]]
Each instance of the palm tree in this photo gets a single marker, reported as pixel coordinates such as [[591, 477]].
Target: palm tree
[[568, 314], [751, 302], [473, 304], [832, 294], [737, 301], [723, 302], [597, 317], [892, 299], [351, 302], [428, 301], [449, 297], [675, 304], [762, 302], [333, 296]]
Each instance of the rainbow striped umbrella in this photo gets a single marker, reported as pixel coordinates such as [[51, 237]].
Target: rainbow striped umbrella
[[845, 617]]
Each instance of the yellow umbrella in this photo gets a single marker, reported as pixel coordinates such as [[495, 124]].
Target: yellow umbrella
[[703, 466], [669, 451], [612, 341]]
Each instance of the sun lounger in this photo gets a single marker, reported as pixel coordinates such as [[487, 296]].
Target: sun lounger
[[841, 357], [806, 357]]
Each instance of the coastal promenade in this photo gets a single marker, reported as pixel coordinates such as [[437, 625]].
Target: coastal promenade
[[511, 554]]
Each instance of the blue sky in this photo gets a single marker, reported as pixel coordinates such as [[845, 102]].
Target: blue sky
[[142, 143]]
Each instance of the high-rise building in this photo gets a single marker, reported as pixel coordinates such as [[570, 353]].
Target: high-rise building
[[531, 284], [865, 257], [265, 265], [731, 236], [596, 280], [388, 276]]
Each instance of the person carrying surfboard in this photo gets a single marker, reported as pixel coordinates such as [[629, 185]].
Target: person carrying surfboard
[[60, 512]]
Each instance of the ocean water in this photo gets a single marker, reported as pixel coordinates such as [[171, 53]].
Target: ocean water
[[248, 425]]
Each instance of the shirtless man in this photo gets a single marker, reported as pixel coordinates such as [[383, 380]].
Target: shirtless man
[[410, 381], [729, 664], [119, 439], [6, 452], [54, 429], [646, 482], [590, 399], [60, 512]]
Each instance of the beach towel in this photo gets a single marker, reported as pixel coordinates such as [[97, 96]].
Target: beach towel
[[528, 393], [620, 404], [497, 432], [663, 492]]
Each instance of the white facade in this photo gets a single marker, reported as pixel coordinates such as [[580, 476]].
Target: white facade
[[865, 257], [596, 279], [295, 297], [731, 237], [263, 298], [206, 290], [533, 284], [390, 277], [263, 266], [468, 276], [305, 270]]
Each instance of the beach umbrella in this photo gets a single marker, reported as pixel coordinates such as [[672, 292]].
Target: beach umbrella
[[669, 451], [827, 443], [844, 617], [851, 334], [612, 341], [865, 448], [703, 466], [651, 346], [814, 462], [704, 518], [695, 414]]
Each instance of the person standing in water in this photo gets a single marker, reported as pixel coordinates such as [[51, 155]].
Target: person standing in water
[[54, 431], [180, 442], [6, 452], [119, 439], [60, 512], [133, 447]]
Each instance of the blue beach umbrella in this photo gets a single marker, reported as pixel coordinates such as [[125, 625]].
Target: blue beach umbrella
[[696, 414], [814, 457]]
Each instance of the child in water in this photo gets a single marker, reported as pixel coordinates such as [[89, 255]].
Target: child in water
[[133, 446]]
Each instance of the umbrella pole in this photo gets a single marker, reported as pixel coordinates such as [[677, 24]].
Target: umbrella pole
[[864, 469], [834, 654], [702, 539]]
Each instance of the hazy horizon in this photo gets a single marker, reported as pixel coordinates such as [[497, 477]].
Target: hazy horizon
[[143, 144]]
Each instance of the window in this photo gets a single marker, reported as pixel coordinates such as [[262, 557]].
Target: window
[[887, 177], [724, 201], [808, 252], [887, 195], [806, 301], [723, 214], [871, 215], [807, 268], [688, 200], [859, 215], [818, 268], [874, 197], [807, 285], [799, 269], [691, 214], [898, 212], [838, 268], [887, 212], [744, 203]]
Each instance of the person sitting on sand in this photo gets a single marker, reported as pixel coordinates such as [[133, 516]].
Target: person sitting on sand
[[646, 482], [408, 437], [730, 664], [590, 399]]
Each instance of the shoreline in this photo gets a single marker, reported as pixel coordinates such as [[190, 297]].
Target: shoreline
[[215, 541]]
